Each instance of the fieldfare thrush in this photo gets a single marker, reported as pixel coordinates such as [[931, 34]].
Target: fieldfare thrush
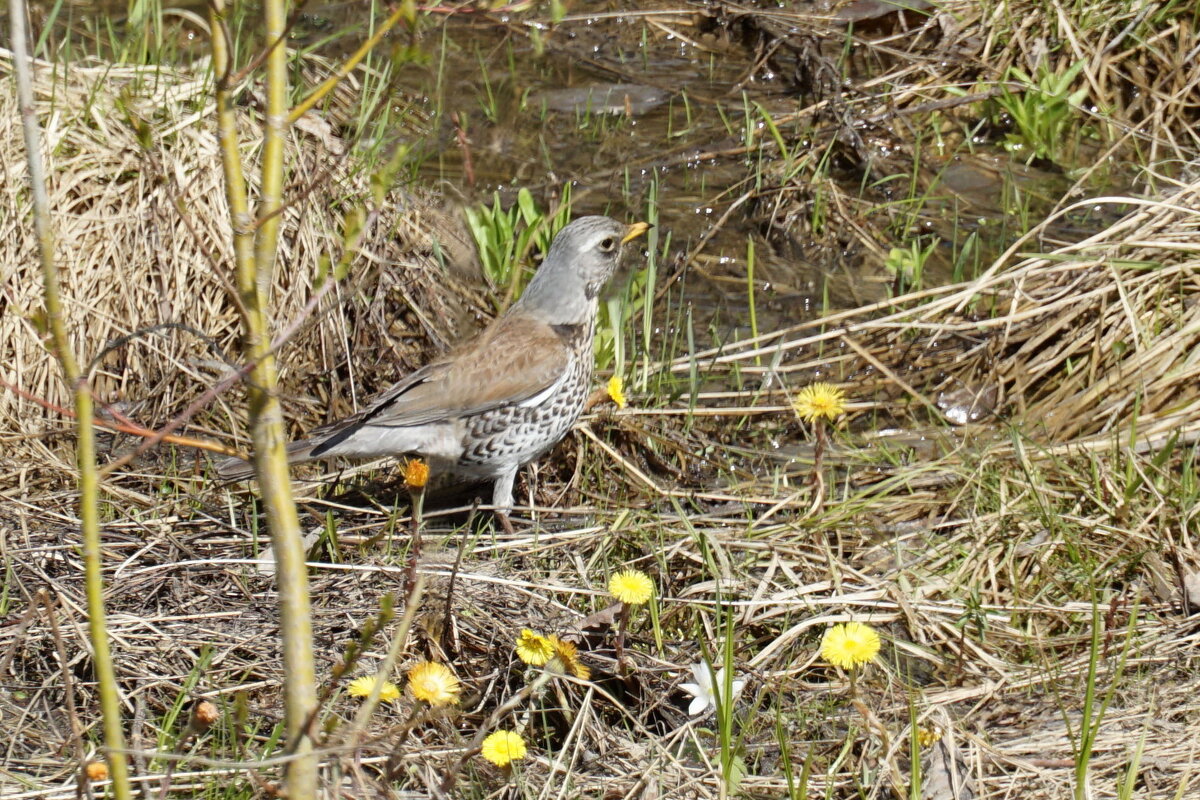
[[500, 400]]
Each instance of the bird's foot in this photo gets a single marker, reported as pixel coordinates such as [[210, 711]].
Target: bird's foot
[[505, 523]]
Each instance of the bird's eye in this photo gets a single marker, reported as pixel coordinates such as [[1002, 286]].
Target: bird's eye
[[607, 245]]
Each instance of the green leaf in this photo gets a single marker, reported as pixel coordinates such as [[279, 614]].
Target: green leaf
[[529, 209]]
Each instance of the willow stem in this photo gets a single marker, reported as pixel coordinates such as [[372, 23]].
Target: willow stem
[[85, 448], [255, 245]]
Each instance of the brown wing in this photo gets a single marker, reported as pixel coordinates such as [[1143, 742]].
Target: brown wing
[[512, 361]]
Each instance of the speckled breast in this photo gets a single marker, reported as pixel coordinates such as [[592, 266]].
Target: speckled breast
[[522, 433]]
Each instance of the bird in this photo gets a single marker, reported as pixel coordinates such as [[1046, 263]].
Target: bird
[[502, 399]]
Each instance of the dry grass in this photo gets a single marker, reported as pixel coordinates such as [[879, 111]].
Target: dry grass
[[985, 554], [143, 241], [1095, 338]]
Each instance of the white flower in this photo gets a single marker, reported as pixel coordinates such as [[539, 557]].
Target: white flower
[[704, 690]]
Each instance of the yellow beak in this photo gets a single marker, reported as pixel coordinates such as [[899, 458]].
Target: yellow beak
[[635, 230]]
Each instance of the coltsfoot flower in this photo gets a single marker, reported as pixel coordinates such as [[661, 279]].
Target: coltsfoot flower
[[416, 475], [567, 654], [533, 648], [361, 687], [850, 645], [616, 391], [552, 652], [632, 587], [434, 683], [503, 747], [927, 737], [96, 771], [819, 400]]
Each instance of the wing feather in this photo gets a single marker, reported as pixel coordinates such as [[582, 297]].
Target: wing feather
[[514, 360]]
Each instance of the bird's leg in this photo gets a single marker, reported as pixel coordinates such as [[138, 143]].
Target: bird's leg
[[502, 499]]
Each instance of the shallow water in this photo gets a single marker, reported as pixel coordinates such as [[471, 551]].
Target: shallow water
[[658, 107]]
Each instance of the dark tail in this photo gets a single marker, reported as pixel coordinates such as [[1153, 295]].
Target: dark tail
[[238, 469]]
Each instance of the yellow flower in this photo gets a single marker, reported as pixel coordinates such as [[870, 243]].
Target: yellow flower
[[551, 651], [533, 648], [616, 391], [566, 659], [850, 644], [632, 587], [819, 400], [416, 474], [96, 771], [434, 683], [361, 687], [926, 737], [503, 747]]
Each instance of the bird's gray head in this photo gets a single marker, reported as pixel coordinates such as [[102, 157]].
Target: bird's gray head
[[583, 256]]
